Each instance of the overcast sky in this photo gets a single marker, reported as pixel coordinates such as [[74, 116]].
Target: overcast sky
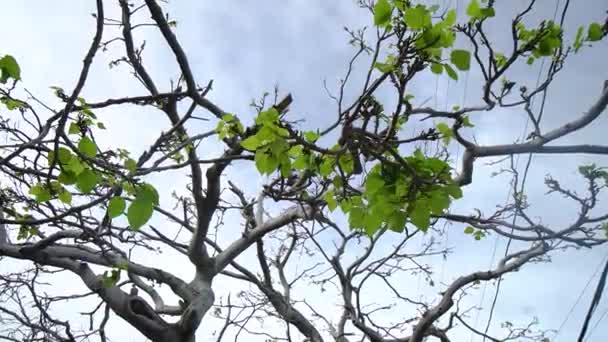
[[247, 47]]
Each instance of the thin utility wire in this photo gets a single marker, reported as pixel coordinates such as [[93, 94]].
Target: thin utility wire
[[580, 296], [530, 157], [595, 301]]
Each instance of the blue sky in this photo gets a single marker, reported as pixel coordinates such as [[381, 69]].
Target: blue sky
[[248, 47]]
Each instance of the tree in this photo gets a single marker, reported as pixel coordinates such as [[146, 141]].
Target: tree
[[344, 201]]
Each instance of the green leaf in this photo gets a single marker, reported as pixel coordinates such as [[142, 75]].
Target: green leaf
[[65, 197], [66, 177], [461, 59], [311, 136], [421, 216], [131, 165], [453, 75], [139, 212], [466, 122], [251, 143], [87, 147], [100, 125], [41, 193], [578, 41], [330, 198], [437, 68], [454, 190], [382, 13], [450, 18], [594, 32], [477, 13], [10, 69], [384, 67], [148, 193], [500, 59], [86, 181], [469, 230], [75, 166], [373, 183], [446, 132], [530, 60], [417, 18], [12, 104], [116, 207], [301, 162], [327, 166], [74, 128], [110, 280], [65, 155]]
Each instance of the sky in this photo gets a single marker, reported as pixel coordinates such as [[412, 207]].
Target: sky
[[249, 47]]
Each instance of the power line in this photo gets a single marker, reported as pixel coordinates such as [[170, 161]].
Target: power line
[[595, 301], [529, 162], [604, 315], [580, 296]]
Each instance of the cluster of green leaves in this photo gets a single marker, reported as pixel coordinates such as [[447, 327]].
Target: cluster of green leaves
[[270, 144], [478, 234], [392, 198], [595, 32], [477, 13], [229, 127], [74, 171], [431, 38], [543, 41]]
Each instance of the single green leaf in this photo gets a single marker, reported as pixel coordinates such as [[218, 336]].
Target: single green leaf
[[311, 136], [301, 162], [139, 213], [65, 197], [530, 60], [66, 177], [450, 18], [466, 122], [10, 69], [116, 207], [445, 131], [330, 198], [461, 59], [327, 166], [41, 193], [469, 230], [417, 18], [74, 128], [453, 75], [110, 280], [148, 193], [373, 183], [131, 165], [382, 13], [86, 181], [87, 147], [594, 32], [75, 166], [100, 125], [65, 155], [384, 67], [251, 143], [437, 68], [454, 190], [421, 216], [578, 41]]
